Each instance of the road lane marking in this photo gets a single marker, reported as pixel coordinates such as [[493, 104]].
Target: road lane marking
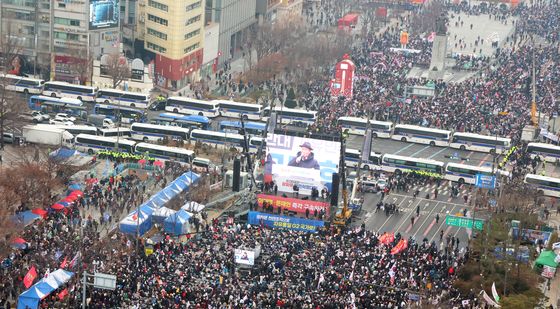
[[436, 153], [404, 148], [419, 151]]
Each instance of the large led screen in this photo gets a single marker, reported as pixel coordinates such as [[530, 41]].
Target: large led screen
[[300, 161], [103, 14]]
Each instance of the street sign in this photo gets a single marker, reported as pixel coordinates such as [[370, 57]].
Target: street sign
[[464, 222], [485, 181], [104, 281]]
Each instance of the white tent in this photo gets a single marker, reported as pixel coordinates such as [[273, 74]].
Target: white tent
[[159, 215], [191, 206]]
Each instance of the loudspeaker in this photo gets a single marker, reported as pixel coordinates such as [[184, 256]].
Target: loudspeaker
[[236, 175], [335, 185]]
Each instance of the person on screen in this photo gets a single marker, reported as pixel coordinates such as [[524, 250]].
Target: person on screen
[[305, 158]]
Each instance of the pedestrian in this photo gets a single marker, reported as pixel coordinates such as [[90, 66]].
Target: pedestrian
[[435, 194], [437, 218], [418, 210], [411, 221], [440, 235]]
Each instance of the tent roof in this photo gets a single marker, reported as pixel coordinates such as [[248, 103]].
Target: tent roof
[[193, 206], [163, 212], [180, 216], [43, 288], [547, 258]]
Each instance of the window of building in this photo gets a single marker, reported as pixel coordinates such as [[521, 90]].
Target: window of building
[[62, 5], [191, 48], [159, 6], [158, 20], [156, 47], [193, 6], [192, 34], [192, 20], [157, 34], [66, 21]]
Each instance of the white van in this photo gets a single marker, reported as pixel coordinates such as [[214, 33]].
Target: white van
[[202, 165]]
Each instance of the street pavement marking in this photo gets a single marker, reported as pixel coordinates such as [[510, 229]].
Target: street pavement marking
[[407, 217], [468, 157], [419, 151], [399, 206], [483, 160], [427, 218], [404, 148], [438, 152]]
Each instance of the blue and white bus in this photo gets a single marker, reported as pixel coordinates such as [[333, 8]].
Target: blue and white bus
[[352, 157], [52, 105], [255, 143], [291, 116], [165, 153], [154, 132], [252, 128], [191, 106], [22, 84], [463, 173], [421, 135], [185, 121], [397, 164], [477, 142], [123, 98], [355, 125], [237, 110], [62, 89], [546, 152], [220, 139], [125, 114], [93, 143], [548, 186]]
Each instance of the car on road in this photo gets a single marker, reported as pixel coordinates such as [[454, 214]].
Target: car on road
[[61, 121], [374, 185], [65, 117], [8, 138], [35, 116], [157, 105]]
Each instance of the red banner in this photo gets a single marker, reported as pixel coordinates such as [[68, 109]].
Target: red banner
[[30, 277], [401, 246], [292, 204]]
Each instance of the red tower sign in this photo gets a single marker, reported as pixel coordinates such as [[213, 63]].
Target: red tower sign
[[343, 82]]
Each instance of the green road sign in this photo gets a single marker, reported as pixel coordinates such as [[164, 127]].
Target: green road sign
[[464, 222]]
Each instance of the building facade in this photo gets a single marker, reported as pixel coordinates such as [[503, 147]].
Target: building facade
[[267, 10], [290, 8], [235, 17], [175, 36]]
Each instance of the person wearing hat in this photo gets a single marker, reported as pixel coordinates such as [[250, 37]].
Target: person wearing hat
[[305, 158]]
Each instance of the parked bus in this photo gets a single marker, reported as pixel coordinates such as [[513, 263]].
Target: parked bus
[[62, 89], [477, 142], [252, 128], [291, 116], [255, 143], [164, 152], [355, 125], [22, 84], [74, 129], [547, 152], [548, 186], [237, 110], [126, 114], [50, 105], [114, 132], [221, 139], [123, 98], [352, 157], [155, 132], [191, 106], [185, 121], [92, 143], [397, 164], [463, 173], [421, 135]]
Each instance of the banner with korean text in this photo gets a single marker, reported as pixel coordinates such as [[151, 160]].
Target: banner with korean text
[[291, 223], [293, 204]]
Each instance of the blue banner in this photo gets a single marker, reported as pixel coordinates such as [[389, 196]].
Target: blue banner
[[485, 181], [283, 222]]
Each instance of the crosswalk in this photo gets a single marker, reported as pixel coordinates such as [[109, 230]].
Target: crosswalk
[[444, 189]]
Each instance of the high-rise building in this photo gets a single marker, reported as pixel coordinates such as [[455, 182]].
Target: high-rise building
[[175, 35]]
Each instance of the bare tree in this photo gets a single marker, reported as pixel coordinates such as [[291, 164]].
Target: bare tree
[[118, 68], [81, 65]]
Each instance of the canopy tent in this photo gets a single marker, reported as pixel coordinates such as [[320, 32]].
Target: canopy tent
[[157, 201], [177, 223], [41, 289], [136, 223], [546, 258], [159, 215], [192, 206], [25, 218]]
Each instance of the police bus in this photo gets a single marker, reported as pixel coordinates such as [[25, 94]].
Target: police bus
[[251, 128], [548, 186], [355, 125], [26, 85], [477, 142], [48, 105], [398, 164], [291, 116], [123, 98], [185, 121], [220, 139], [191, 106], [547, 152], [63, 89], [421, 135], [155, 132], [93, 143], [238, 110], [165, 153], [125, 114]]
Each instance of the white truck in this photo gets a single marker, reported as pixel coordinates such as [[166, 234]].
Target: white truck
[[101, 121], [47, 136]]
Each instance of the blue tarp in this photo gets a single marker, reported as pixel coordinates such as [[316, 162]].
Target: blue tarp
[[129, 225], [177, 223], [63, 153], [25, 218], [41, 289]]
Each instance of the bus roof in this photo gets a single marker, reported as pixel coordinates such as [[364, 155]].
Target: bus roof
[[107, 139], [191, 100], [248, 125], [542, 177], [119, 107], [481, 136], [280, 109], [237, 103], [358, 119], [215, 133], [61, 100], [166, 148], [428, 161], [409, 126], [158, 126], [21, 77], [196, 118], [543, 145], [64, 127], [111, 130], [69, 84], [124, 92], [472, 167]]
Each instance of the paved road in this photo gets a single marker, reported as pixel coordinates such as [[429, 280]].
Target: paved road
[[425, 225]]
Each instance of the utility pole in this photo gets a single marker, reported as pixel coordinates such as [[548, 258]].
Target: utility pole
[[367, 138]]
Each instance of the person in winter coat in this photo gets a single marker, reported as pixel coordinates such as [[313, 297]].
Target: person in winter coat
[[305, 158]]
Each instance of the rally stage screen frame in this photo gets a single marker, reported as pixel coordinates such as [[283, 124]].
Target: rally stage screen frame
[[103, 14]]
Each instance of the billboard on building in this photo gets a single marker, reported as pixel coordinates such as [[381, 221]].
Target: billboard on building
[[103, 14], [304, 162]]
